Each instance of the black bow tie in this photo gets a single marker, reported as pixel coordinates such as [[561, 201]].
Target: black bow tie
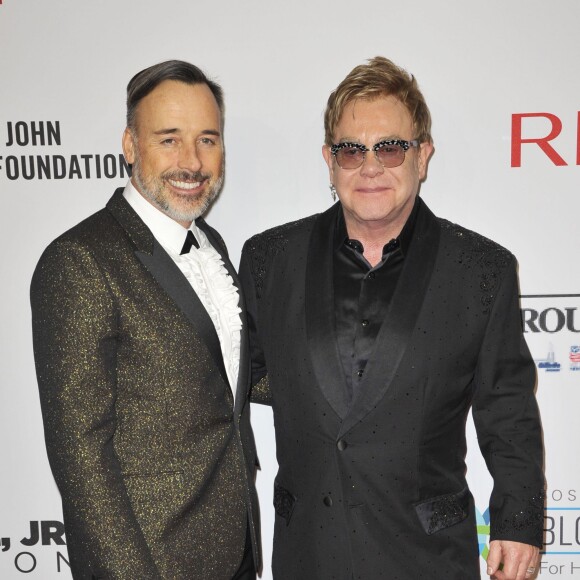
[[189, 241]]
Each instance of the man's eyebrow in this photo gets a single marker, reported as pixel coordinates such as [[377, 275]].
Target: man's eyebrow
[[393, 137], [348, 139], [166, 131], [173, 130]]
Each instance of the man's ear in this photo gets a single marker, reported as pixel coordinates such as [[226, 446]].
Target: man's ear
[[128, 142], [425, 151], [327, 154]]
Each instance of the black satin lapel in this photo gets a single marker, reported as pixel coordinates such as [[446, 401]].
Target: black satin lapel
[[244, 368], [243, 385], [320, 318], [216, 241], [398, 326], [127, 217], [171, 278], [244, 371]]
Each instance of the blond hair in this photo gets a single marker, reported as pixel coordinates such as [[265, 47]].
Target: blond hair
[[380, 77]]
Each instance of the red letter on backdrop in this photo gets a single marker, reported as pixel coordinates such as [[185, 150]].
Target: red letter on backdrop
[[542, 142]]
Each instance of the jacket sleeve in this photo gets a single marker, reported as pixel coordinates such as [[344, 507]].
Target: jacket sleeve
[[507, 421], [74, 320], [260, 392]]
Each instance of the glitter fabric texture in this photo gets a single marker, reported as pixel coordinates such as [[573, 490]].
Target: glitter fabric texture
[[265, 247], [283, 502], [444, 511], [531, 517], [483, 256], [142, 436]]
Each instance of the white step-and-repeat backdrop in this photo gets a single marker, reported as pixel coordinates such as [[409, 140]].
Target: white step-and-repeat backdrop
[[502, 82]]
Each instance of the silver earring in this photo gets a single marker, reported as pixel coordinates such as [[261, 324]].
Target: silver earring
[[332, 191]]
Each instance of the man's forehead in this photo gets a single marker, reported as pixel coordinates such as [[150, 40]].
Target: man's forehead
[[375, 103], [383, 111], [175, 105]]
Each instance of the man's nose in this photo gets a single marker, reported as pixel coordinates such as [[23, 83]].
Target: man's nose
[[189, 158], [371, 165]]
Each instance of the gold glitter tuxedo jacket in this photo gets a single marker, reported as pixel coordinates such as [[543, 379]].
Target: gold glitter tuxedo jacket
[[154, 464]]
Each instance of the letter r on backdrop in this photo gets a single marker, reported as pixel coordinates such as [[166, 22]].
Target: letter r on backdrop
[[541, 142]]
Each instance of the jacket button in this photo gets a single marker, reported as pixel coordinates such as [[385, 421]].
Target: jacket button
[[341, 444], [327, 501]]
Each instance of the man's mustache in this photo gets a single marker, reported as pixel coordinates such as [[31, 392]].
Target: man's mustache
[[186, 175]]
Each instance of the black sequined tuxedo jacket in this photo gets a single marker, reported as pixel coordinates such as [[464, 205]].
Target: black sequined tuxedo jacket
[[377, 489], [154, 464]]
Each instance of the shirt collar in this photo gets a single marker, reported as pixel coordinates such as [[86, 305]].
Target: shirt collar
[[166, 230], [403, 240]]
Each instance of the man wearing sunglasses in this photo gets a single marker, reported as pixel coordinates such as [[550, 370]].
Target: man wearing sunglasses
[[375, 327]]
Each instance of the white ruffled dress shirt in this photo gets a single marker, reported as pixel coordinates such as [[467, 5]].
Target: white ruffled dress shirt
[[205, 271]]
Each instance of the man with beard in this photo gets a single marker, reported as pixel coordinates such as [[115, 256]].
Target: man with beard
[[142, 358]]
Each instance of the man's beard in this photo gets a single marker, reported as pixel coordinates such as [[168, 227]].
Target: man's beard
[[153, 188]]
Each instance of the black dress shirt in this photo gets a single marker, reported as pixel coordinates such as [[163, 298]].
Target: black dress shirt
[[362, 295]]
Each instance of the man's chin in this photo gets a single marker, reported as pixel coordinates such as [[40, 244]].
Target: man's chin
[[181, 208], [181, 217], [189, 213]]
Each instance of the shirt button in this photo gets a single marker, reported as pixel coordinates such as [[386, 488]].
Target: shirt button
[[359, 373], [371, 276], [364, 322], [327, 501], [341, 444]]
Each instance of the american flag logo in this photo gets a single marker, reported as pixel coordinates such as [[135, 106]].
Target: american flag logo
[[575, 354]]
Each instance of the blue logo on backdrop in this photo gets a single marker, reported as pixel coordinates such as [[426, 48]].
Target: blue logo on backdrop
[[549, 364], [562, 531], [483, 531], [551, 325]]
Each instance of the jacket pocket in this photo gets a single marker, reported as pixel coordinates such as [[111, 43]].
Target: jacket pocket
[[284, 502], [443, 511]]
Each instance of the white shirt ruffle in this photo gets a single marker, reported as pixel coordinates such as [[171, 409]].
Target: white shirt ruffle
[[207, 274]]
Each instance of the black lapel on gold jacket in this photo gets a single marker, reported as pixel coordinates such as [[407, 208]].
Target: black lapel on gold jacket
[[168, 275], [320, 318], [397, 328]]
